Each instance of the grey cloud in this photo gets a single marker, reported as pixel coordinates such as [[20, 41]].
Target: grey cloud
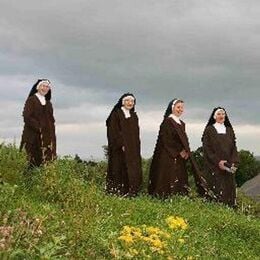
[[205, 52]]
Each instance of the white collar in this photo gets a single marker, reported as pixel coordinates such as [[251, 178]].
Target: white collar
[[126, 112], [41, 98], [175, 118], [221, 128]]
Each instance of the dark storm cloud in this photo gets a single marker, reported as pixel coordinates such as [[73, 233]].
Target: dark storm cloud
[[206, 52]]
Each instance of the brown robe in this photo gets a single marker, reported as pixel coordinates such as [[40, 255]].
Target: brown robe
[[168, 173], [124, 175], [217, 147], [38, 137]]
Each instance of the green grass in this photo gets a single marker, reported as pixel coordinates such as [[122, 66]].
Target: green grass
[[61, 212]]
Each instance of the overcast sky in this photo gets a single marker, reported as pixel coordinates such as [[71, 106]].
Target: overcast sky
[[204, 52]]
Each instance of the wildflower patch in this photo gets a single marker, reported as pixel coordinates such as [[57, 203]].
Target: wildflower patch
[[146, 241]]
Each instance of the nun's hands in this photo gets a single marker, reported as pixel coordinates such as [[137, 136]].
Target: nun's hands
[[233, 168], [221, 165], [184, 154], [123, 148]]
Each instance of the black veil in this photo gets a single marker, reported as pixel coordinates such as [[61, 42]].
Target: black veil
[[34, 89], [212, 121], [119, 104], [168, 111]]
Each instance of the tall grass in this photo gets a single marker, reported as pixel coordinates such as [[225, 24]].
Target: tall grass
[[60, 211]]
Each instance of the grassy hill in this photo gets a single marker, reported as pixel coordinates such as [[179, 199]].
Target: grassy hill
[[60, 211]]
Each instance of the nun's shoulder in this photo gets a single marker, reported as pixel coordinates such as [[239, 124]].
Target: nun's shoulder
[[166, 123], [209, 129], [49, 105], [31, 99], [113, 113], [166, 120], [116, 114], [49, 102], [230, 130], [183, 123], [134, 114], [112, 118]]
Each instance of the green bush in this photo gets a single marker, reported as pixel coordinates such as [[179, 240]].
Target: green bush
[[249, 167], [12, 163]]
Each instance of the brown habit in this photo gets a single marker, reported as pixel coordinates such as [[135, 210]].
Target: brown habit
[[124, 176], [168, 174], [217, 147], [38, 136]]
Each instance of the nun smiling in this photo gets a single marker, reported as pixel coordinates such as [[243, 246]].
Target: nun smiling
[[38, 137], [221, 156], [168, 173], [124, 175]]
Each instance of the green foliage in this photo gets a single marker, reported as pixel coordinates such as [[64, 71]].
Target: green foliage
[[12, 163], [60, 211], [247, 205], [145, 168], [249, 167]]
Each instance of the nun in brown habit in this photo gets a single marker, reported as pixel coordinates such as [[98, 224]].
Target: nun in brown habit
[[38, 137], [168, 173], [221, 156], [124, 175]]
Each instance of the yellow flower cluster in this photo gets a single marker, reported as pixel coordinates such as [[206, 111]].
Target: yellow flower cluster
[[136, 240], [130, 234], [176, 223], [153, 236]]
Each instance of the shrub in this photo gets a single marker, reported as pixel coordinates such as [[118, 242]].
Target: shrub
[[12, 163]]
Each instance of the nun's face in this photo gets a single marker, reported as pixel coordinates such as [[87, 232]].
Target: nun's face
[[128, 103], [178, 109], [220, 117], [44, 89]]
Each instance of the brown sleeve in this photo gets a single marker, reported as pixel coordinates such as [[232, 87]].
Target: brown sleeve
[[114, 133], [53, 128], [28, 116], [209, 146], [51, 113], [138, 129], [184, 138], [235, 155], [169, 139]]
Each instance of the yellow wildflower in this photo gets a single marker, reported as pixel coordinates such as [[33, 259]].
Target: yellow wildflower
[[136, 232], [126, 229], [153, 230], [146, 239], [126, 239], [157, 243], [154, 237], [176, 223]]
